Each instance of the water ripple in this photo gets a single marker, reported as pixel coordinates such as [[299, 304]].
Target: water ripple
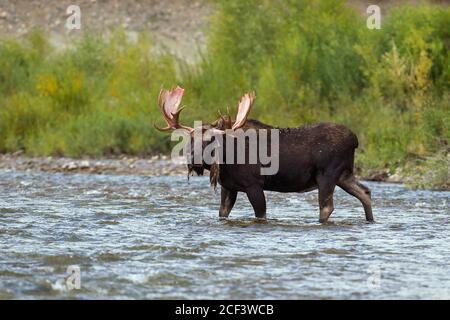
[[160, 238]]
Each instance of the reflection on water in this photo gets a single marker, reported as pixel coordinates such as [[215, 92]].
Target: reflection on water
[[160, 238]]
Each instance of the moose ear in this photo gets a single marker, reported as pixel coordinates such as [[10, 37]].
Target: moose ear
[[223, 122], [243, 110]]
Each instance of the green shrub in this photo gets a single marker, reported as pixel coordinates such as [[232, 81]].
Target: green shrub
[[308, 61], [432, 172]]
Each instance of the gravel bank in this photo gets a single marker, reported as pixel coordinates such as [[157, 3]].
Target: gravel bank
[[152, 166]]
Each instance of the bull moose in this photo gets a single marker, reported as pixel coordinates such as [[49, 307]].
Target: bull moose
[[319, 156]]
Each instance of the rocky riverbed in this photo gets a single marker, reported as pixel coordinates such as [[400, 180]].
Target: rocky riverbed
[[156, 165]]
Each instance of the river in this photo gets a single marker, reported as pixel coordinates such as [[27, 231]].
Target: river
[[143, 237]]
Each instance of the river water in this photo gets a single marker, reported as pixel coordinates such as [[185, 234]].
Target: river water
[[160, 238]]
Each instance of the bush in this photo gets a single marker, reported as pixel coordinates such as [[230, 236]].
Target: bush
[[308, 61]]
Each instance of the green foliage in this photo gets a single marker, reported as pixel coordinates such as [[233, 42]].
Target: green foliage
[[18, 61], [308, 61], [316, 61], [94, 98], [431, 172]]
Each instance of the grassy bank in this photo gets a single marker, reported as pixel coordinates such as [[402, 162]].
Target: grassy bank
[[308, 61]]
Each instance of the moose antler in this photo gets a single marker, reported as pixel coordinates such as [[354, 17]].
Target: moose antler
[[243, 110], [169, 101]]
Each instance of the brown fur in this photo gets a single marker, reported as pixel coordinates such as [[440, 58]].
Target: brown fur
[[319, 156]]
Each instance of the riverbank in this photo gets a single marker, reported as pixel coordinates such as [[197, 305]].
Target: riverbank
[[156, 165]]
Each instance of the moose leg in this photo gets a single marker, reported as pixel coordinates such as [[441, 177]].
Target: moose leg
[[228, 198], [326, 190], [360, 191], [258, 200]]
